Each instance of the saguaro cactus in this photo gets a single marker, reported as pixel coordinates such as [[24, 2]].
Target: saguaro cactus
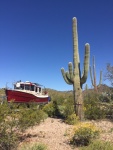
[[73, 76], [93, 76]]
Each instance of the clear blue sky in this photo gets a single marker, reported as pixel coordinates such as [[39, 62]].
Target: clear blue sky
[[36, 38]]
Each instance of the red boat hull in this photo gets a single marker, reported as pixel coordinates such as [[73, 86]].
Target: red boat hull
[[22, 97]]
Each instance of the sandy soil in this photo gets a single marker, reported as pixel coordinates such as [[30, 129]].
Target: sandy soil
[[52, 132], [107, 129]]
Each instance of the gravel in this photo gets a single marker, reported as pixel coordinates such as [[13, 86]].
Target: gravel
[[53, 133]]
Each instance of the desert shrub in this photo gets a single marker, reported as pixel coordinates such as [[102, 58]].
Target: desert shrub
[[13, 121], [93, 109], [3, 112], [83, 134], [109, 110], [67, 108], [51, 109], [8, 140], [61, 107], [59, 99], [72, 119], [8, 123], [35, 146], [98, 145], [30, 117]]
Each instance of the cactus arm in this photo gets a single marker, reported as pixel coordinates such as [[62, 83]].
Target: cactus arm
[[64, 74], [70, 66], [86, 63], [68, 77], [100, 82], [94, 72], [91, 76]]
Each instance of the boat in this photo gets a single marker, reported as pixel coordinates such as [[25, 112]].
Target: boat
[[25, 92]]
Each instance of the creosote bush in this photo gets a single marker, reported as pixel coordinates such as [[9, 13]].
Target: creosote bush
[[109, 110], [14, 121], [61, 104], [67, 108], [72, 119], [98, 145], [8, 124], [59, 108], [83, 134], [51, 109], [35, 146], [30, 117], [93, 109]]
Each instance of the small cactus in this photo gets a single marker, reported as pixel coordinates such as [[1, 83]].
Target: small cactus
[[73, 76]]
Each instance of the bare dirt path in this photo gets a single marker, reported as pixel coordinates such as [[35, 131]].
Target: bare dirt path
[[52, 132]]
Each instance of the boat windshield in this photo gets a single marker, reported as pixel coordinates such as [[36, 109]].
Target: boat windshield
[[22, 86], [32, 87], [29, 87]]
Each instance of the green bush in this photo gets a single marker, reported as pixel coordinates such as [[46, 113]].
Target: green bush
[[30, 117], [72, 119], [60, 108], [14, 121], [83, 134], [8, 140], [51, 109], [98, 145], [8, 124], [109, 110], [36, 146], [67, 108], [93, 109]]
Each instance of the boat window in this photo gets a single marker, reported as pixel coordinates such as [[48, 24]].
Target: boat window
[[22, 86], [32, 87], [36, 89], [39, 89], [27, 87]]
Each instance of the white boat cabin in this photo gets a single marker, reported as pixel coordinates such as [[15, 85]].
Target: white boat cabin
[[28, 86]]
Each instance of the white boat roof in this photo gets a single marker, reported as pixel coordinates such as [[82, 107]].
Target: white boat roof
[[28, 82]]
